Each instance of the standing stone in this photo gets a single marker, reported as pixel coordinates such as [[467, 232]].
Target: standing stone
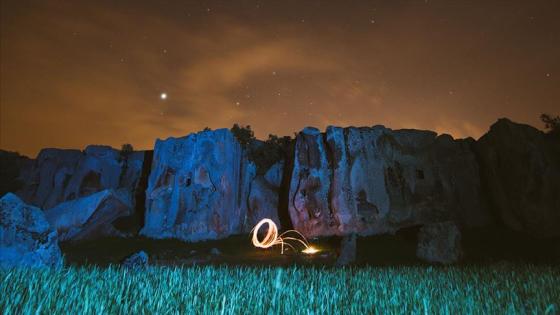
[[439, 243], [521, 175], [347, 250], [26, 238], [195, 189]]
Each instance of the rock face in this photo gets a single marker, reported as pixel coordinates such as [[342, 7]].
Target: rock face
[[88, 217], [198, 187], [26, 238], [376, 180], [439, 243], [61, 175], [521, 170], [263, 197]]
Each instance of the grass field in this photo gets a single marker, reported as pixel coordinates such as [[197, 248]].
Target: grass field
[[497, 289]]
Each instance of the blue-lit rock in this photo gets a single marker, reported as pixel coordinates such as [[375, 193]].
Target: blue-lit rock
[[59, 175], [196, 189], [26, 238], [263, 197], [88, 217]]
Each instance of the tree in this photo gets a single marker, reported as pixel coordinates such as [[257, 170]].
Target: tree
[[244, 134], [551, 123], [126, 150]]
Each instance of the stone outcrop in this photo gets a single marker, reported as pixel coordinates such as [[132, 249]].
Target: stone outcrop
[[520, 167], [59, 175], [377, 180], [439, 243], [196, 188], [26, 238], [263, 197], [88, 217]]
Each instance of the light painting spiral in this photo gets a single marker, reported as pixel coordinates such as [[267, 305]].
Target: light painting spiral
[[272, 238]]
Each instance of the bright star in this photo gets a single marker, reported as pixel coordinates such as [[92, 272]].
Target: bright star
[[163, 96]]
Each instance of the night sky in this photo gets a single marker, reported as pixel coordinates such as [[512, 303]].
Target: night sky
[[93, 72]]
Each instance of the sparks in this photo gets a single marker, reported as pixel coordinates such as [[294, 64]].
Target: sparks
[[272, 238]]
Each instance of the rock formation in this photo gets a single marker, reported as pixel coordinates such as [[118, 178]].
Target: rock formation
[[59, 175], [376, 180], [439, 243], [199, 188], [367, 181], [88, 217], [520, 167], [263, 197], [26, 238]]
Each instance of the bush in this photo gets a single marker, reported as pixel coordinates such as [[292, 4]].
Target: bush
[[551, 123], [244, 135]]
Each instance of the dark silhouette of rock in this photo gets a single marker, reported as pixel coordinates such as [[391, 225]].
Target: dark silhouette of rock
[[12, 171], [60, 175], [136, 260], [347, 254], [376, 180], [439, 243], [520, 167], [88, 217], [214, 251], [26, 238]]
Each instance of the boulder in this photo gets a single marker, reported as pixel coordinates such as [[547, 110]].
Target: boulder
[[60, 175], [377, 180], [88, 217], [439, 243], [26, 238], [347, 253], [198, 187], [136, 260], [521, 170], [12, 167]]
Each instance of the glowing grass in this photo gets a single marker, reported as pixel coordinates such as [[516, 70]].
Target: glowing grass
[[401, 290]]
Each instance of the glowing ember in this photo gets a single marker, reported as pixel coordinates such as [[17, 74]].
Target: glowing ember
[[310, 250], [272, 238]]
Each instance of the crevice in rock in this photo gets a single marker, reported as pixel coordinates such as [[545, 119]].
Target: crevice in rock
[[134, 222], [329, 155], [284, 189]]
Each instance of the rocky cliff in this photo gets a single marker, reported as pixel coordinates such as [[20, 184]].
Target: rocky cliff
[[376, 180], [203, 186], [367, 180]]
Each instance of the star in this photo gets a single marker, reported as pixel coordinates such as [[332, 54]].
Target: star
[[163, 96]]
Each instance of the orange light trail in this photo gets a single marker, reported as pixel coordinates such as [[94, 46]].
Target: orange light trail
[[272, 238]]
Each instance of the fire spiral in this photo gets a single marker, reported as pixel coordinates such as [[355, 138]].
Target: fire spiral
[[272, 238]]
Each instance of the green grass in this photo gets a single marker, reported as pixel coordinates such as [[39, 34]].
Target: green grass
[[498, 289]]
